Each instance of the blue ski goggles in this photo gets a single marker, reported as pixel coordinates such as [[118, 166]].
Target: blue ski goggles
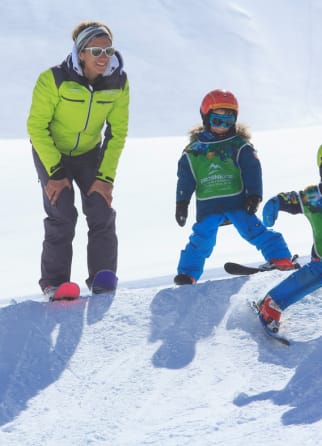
[[226, 121]]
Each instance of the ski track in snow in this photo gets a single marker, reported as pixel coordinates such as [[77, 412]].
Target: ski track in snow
[[150, 366]]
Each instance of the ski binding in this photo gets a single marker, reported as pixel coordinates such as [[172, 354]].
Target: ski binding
[[269, 332]]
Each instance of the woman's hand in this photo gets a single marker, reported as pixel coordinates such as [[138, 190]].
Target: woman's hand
[[54, 188], [104, 189]]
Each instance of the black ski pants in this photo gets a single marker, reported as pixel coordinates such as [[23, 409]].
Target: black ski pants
[[60, 223]]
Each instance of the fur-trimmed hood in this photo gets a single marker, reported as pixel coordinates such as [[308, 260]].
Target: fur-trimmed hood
[[240, 130]]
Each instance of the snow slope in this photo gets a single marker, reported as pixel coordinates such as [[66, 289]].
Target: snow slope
[[268, 53], [144, 197], [154, 364]]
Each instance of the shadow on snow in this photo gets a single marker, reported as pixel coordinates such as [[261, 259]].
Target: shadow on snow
[[303, 392], [181, 316], [37, 341]]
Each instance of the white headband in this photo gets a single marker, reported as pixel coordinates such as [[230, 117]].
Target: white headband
[[87, 34]]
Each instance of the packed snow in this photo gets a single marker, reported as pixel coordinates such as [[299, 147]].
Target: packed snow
[[154, 364]]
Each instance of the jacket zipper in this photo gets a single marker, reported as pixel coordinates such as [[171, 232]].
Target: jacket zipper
[[86, 121]]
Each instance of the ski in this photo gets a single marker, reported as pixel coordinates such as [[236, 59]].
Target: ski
[[269, 333], [239, 269], [65, 291], [104, 281]]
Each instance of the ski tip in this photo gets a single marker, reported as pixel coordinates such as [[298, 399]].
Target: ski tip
[[274, 335], [104, 281], [238, 269], [285, 341], [66, 291]]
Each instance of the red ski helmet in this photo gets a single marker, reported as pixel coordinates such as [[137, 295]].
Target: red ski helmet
[[218, 99]]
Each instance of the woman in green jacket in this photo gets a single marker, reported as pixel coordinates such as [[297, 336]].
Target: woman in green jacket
[[73, 104]]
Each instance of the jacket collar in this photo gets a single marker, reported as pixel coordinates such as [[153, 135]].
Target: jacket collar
[[207, 136], [73, 65]]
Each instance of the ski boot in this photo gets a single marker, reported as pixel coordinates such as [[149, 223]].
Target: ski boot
[[270, 313], [184, 279], [281, 264]]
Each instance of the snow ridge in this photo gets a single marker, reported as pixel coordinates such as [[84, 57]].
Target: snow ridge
[[150, 366]]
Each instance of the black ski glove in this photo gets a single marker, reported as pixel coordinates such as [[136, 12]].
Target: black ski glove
[[182, 212], [252, 203]]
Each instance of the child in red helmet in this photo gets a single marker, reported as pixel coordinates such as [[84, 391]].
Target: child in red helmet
[[221, 166]]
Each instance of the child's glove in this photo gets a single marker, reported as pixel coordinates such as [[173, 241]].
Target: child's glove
[[182, 212], [270, 211], [252, 203]]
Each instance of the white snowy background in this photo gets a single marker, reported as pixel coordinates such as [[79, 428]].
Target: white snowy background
[[156, 364]]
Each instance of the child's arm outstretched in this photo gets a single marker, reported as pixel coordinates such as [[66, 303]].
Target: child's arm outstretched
[[285, 201]]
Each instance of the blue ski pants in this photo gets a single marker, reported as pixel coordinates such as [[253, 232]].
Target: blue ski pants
[[203, 239], [296, 286]]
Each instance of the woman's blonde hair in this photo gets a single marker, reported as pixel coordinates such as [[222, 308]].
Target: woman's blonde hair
[[83, 25]]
